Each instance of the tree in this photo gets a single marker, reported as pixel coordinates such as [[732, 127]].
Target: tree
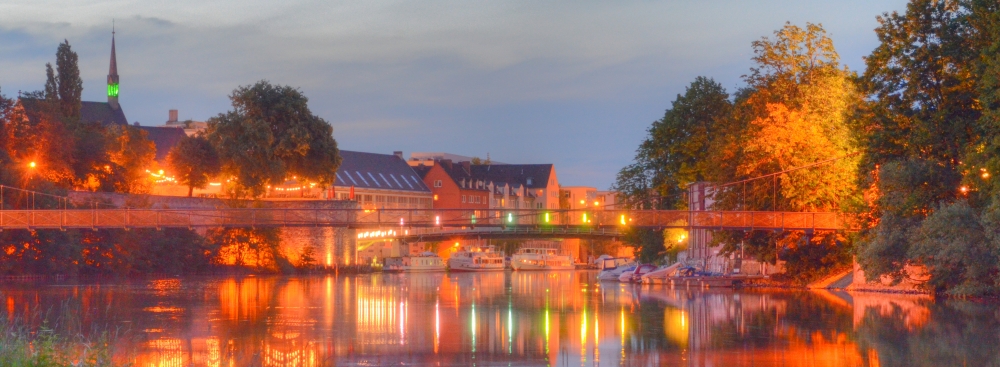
[[929, 146], [794, 112], [34, 132], [70, 84], [270, 135], [131, 154], [193, 161], [673, 154], [51, 86], [648, 243]]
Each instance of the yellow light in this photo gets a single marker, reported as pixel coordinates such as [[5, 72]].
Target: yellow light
[[585, 217], [596, 203], [623, 219], [435, 197], [31, 165], [964, 189], [161, 171], [986, 175], [582, 202]]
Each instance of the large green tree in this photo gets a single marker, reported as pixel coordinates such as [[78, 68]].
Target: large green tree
[[930, 139], [674, 152], [271, 136], [193, 161], [68, 80]]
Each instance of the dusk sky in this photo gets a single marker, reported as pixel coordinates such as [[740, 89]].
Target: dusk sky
[[575, 84]]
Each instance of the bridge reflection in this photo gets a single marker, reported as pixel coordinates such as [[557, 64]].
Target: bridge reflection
[[559, 318]]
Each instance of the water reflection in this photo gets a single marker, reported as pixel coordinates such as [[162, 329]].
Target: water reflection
[[562, 318]]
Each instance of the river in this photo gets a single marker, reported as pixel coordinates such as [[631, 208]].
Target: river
[[505, 319]]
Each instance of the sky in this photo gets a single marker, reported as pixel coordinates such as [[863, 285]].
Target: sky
[[572, 83]]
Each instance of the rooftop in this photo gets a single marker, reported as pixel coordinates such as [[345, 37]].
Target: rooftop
[[378, 171]]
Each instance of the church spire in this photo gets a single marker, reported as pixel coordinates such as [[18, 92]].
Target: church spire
[[113, 75]]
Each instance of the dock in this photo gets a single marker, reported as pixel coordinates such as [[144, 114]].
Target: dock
[[702, 282]]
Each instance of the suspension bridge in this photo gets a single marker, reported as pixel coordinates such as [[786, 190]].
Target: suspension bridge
[[583, 222], [37, 219]]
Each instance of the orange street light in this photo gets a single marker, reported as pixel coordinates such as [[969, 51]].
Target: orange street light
[[31, 165]]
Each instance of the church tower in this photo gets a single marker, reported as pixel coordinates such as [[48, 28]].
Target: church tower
[[113, 77]]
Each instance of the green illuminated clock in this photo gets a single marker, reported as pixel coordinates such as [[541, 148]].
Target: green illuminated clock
[[113, 90]]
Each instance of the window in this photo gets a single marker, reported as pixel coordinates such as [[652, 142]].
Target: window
[[463, 198], [435, 197], [529, 181], [437, 183]]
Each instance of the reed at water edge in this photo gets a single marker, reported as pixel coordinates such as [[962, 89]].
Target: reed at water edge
[[56, 338]]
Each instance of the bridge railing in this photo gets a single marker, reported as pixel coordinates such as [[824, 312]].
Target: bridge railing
[[270, 217]]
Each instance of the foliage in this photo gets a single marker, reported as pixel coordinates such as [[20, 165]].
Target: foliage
[[51, 86], [956, 250], [69, 82], [131, 154], [39, 137], [257, 248], [648, 243], [307, 257], [270, 135], [930, 141], [193, 161], [673, 154]]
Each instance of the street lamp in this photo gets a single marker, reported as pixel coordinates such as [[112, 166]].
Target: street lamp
[[31, 165]]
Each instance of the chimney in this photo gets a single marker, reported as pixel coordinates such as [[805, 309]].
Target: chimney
[[173, 116], [446, 163], [398, 154]]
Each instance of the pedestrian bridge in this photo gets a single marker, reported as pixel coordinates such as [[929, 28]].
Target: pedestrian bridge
[[421, 218]]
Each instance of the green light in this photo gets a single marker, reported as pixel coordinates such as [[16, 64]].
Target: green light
[[112, 90], [546, 217], [473, 219], [510, 218]]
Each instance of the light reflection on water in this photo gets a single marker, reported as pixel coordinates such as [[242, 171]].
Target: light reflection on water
[[522, 318]]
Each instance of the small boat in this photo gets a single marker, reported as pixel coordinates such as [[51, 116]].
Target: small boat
[[635, 276], [660, 275], [535, 258], [427, 261], [612, 268], [476, 259]]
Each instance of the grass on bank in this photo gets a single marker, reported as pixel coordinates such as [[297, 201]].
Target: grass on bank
[[57, 343]]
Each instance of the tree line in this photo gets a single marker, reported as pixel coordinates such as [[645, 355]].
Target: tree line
[[910, 146], [47, 146]]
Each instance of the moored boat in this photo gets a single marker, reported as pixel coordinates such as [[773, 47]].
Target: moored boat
[[535, 258], [476, 259], [612, 268], [424, 262]]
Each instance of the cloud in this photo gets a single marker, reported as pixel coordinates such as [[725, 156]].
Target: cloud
[[520, 79]]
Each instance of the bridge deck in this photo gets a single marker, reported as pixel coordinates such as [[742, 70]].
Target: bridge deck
[[358, 218]]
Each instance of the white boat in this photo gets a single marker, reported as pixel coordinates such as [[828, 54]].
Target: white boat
[[635, 276], [427, 261], [536, 258], [660, 275], [612, 268], [476, 259]]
